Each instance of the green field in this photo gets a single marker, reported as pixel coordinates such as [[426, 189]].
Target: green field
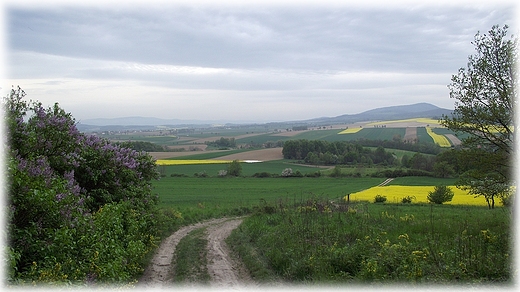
[[182, 192], [298, 230], [248, 169]]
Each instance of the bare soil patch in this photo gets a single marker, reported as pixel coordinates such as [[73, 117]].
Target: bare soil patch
[[223, 270], [410, 134], [454, 140], [166, 155], [290, 133], [215, 138], [262, 155]]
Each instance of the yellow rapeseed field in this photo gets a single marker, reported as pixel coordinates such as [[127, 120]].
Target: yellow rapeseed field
[[351, 130], [394, 194], [190, 161], [440, 140]]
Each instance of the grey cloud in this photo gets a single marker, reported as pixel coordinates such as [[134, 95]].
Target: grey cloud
[[340, 38]]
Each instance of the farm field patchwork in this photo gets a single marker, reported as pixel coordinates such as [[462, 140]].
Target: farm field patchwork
[[440, 140], [350, 131], [412, 122], [373, 134]]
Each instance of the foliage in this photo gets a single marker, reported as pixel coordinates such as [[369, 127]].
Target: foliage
[[331, 153], [223, 143], [142, 146], [336, 172], [317, 242], [379, 199], [234, 168], [407, 199], [287, 172], [485, 94], [80, 207], [441, 194]]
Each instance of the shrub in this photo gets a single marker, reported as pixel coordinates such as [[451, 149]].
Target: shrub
[[234, 168], [407, 199], [336, 172], [313, 174], [222, 173], [262, 174], [440, 194], [287, 172], [379, 199], [81, 208]]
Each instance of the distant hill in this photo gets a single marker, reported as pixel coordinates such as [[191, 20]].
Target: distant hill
[[418, 110]]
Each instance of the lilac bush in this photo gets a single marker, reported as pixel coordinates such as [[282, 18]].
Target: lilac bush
[[81, 208]]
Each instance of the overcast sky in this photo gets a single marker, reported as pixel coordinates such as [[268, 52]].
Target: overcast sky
[[284, 60]]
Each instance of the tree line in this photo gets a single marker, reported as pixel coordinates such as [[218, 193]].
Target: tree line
[[338, 152]]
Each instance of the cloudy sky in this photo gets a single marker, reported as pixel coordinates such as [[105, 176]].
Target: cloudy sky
[[261, 62]]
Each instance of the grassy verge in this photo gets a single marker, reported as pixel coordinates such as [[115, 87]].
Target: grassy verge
[[316, 242], [190, 259]]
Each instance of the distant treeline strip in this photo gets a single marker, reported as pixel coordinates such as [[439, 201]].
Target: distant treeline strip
[[338, 152], [426, 148], [142, 146]]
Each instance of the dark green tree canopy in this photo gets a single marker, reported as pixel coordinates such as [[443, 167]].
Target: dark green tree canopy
[[485, 94]]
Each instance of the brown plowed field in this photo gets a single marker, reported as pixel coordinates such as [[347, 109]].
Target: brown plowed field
[[411, 134], [166, 155], [262, 155], [454, 140]]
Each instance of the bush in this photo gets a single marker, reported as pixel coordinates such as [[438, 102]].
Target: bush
[[336, 172], [288, 172], [262, 174], [407, 199], [222, 173], [314, 174], [81, 208], [234, 168], [379, 199], [440, 194]]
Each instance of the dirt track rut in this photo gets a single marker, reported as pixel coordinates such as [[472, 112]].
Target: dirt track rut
[[223, 270]]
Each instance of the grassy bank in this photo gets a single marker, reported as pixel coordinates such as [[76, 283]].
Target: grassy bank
[[316, 242]]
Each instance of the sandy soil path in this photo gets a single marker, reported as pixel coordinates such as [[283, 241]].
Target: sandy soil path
[[224, 271]]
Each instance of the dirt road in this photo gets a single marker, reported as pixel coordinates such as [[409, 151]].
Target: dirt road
[[223, 270]]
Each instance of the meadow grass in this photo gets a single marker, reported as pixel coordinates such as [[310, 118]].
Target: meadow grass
[[248, 169], [300, 230], [319, 242], [190, 259]]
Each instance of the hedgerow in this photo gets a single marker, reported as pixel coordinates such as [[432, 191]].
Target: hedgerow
[[80, 209]]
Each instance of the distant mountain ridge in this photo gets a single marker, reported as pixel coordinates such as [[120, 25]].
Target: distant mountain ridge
[[418, 110]]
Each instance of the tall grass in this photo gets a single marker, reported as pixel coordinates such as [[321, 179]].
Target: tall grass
[[319, 241]]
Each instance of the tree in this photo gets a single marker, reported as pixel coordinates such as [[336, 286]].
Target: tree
[[485, 95], [234, 168], [443, 169], [441, 194]]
